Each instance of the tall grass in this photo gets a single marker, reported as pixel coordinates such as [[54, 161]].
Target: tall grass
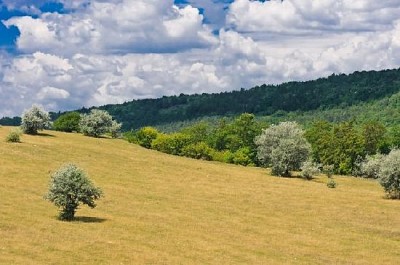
[[161, 209]]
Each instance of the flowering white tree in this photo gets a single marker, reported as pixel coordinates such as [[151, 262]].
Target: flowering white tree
[[98, 122], [389, 174], [283, 147], [34, 120]]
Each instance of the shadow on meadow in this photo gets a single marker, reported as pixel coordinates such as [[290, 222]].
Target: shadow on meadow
[[88, 219]]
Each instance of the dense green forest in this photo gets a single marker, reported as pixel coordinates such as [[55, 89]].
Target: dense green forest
[[360, 96], [336, 91]]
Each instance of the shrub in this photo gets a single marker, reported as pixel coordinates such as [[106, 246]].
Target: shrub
[[34, 120], [222, 156], [115, 129], [171, 143], [331, 184], [70, 187], [198, 151], [371, 166], [283, 147], [243, 156], [145, 136], [309, 170], [68, 122], [97, 122], [389, 174], [328, 170], [14, 136]]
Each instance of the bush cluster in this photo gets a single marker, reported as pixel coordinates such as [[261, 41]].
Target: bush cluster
[[14, 136]]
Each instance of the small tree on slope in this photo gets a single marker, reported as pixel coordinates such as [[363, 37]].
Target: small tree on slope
[[283, 147], [389, 174], [98, 122], [34, 120], [70, 187]]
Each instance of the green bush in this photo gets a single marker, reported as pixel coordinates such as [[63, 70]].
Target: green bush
[[389, 174], [68, 122], [35, 119], [145, 136], [331, 184], [171, 143], [69, 187], [243, 156], [14, 136], [198, 151]]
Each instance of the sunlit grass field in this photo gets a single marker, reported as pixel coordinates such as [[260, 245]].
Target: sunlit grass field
[[162, 209]]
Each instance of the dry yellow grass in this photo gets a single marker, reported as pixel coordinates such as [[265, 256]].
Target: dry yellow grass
[[161, 209]]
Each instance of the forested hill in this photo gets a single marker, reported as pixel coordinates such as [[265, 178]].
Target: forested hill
[[324, 93]]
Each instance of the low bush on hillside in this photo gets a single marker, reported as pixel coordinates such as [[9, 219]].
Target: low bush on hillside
[[145, 136], [14, 136], [69, 187], [198, 151], [370, 167], [331, 184], [389, 174], [68, 122], [309, 170]]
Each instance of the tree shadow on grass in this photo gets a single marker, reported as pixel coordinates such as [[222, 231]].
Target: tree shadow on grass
[[44, 135], [88, 219]]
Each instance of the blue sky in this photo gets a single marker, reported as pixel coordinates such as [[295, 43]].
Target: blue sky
[[65, 54]]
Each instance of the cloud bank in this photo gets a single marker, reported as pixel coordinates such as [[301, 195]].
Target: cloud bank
[[104, 52]]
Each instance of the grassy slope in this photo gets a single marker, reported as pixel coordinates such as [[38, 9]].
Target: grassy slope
[[172, 210]]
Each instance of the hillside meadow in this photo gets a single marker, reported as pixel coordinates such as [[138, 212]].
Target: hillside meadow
[[162, 209]]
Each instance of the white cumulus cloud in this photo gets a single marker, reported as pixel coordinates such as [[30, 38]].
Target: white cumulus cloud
[[114, 51]]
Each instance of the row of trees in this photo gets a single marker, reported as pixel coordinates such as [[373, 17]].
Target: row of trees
[[231, 142], [95, 123], [344, 148], [340, 145]]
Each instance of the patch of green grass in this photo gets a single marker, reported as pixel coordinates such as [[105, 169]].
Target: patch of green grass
[[162, 209]]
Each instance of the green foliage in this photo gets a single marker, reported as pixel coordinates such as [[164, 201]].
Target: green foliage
[[331, 184], [339, 145], [68, 122], [389, 174], [242, 156], [7, 121], [171, 143], [98, 122], [198, 150], [14, 136], [70, 187], [231, 142], [145, 136], [35, 119], [309, 170], [374, 134], [198, 132], [283, 147], [336, 91]]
